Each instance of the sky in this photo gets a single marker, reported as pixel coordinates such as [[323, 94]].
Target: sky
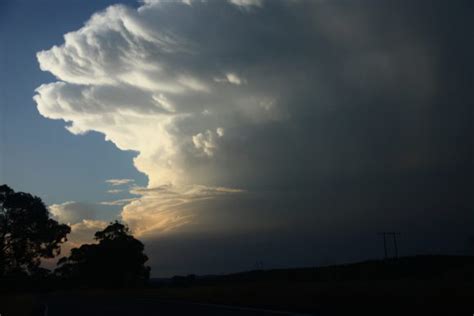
[[226, 133]]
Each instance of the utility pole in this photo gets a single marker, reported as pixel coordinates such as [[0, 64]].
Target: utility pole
[[384, 244], [395, 245], [394, 235], [259, 265]]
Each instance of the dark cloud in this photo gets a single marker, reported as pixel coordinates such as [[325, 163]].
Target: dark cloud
[[339, 119]]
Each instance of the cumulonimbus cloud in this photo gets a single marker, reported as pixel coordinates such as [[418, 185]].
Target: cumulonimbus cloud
[[136, 78], [133, 76], [243, 99]]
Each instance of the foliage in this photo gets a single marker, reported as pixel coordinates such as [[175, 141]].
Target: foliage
[[27, 233], [116, 260]]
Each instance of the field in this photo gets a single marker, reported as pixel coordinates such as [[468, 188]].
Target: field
[[428, 285]]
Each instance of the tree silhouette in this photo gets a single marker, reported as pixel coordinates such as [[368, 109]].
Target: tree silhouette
[[116, 260], [27, 234]]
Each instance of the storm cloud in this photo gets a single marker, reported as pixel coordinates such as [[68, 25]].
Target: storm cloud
[[326, 117]]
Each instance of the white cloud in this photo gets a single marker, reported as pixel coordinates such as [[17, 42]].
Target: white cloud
[[72, 212], [114, 191], [188, 2], [220, 131], [165, 208], [207, 141], [241, 3], [117, 202], [118, 182], [231, 78], [247, 3]]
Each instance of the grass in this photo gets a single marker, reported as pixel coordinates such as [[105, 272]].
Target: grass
[[429, 285]]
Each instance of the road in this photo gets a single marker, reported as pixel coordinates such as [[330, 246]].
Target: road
[[90, 306]]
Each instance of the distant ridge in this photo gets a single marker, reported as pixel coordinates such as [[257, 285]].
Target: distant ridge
[[422, 267]]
